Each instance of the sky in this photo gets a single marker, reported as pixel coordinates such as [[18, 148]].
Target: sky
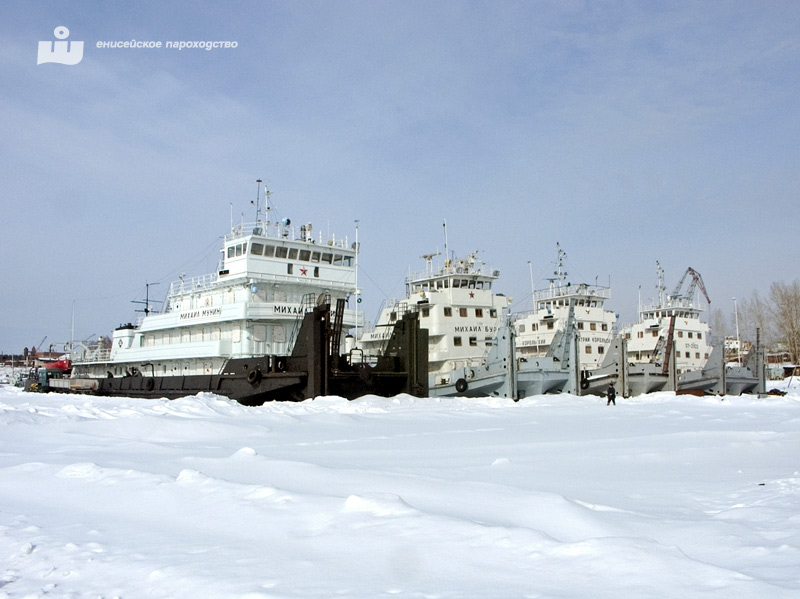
[[628, 132]]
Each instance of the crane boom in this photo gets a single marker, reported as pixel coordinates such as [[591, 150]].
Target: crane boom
[[697, 282]]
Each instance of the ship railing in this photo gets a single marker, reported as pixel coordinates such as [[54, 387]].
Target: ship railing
[[198, 283], [307, 304], [396, 306], [396, 309], [452, 271], [580, 290], [683, 303], [92, 355], [279, 230]]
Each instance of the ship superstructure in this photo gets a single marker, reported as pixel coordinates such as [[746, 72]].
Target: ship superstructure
[[268, 275], [537, 330], [468, 352], [669, 329]]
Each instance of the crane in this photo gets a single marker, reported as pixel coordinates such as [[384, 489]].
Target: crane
[[41, 343], [697, 282]]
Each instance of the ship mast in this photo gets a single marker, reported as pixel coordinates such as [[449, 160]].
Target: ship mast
[[660, 287], [257, 203]]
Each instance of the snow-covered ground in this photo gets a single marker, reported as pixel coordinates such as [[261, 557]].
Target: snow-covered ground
[[560, 497]]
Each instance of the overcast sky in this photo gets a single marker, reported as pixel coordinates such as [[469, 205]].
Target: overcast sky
[[629, 132]]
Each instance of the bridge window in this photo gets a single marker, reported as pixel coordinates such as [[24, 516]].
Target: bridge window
[[269, 250], [281, 252], [479, 312], [462, 312], [257, 248], [305, 255], [293, 254], [448, 311]]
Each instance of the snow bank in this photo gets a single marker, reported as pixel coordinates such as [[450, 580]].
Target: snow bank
[[659, 496]]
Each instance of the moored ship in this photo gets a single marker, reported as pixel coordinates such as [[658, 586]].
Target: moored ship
[[669, 330], [538, 330], [470, 348], [276, 304]]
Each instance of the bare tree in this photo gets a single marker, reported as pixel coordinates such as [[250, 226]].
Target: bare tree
[[785, 312], [754, 314], [718, 324]]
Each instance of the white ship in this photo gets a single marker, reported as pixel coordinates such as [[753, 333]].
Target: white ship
[[239, 331], [470, 346], [669, 330], [251, 306], [537, 330]]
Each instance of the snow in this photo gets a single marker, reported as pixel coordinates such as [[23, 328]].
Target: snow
[[556, 496]]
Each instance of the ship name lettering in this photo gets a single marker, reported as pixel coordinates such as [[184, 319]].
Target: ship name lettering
[[287, 309], [476, 329], [204, 313]]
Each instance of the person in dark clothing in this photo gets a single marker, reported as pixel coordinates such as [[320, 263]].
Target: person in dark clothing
[[611, 393]]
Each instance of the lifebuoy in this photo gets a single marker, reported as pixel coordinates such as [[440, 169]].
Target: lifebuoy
[[461, 385], [254, 376]]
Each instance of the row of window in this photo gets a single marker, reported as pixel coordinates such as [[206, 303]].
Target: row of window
[[565, 304], [550, 325], [655, 333], [473, 341], [601, 349], [454, 283], [425, 311], [687, 355], [270, 251]]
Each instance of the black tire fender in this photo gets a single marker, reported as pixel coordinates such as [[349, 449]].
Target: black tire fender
[[461, 385], [254, 376]]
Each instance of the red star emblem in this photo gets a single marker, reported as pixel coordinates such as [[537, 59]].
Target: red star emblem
[[303, 271], [471, 295]]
